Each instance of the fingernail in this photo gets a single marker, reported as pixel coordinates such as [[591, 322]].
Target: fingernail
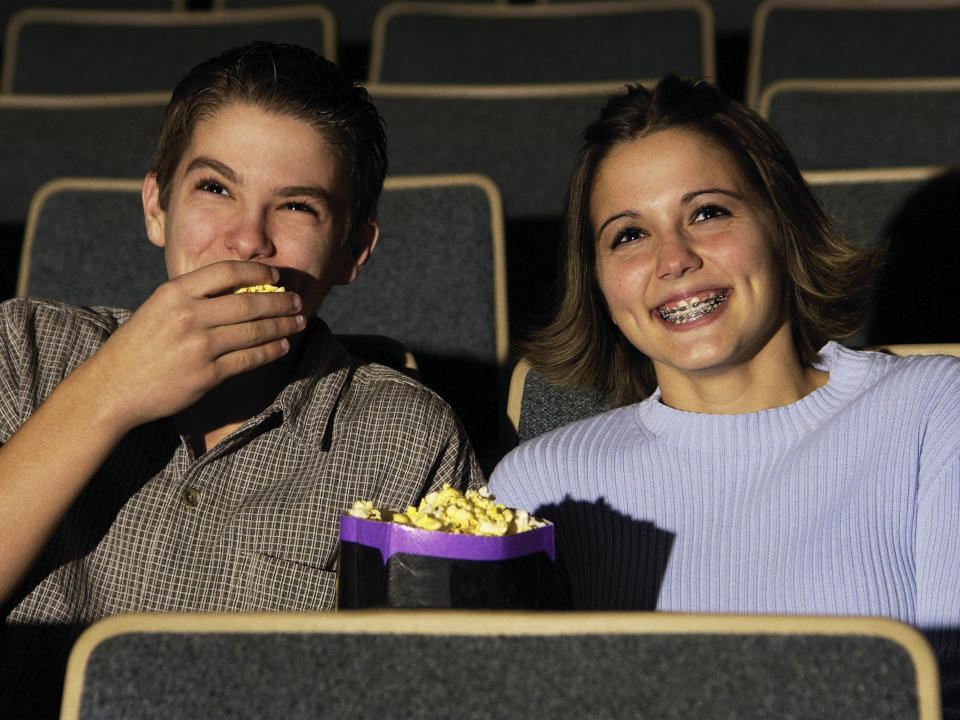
[[301, 321]]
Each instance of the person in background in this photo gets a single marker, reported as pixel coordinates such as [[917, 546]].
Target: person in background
[[754, 465], [196, 454]]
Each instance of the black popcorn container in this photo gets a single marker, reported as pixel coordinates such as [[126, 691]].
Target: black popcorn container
[[387, 564]]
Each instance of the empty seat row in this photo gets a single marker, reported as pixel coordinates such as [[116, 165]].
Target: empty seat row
[[491, 42], [61, 51]]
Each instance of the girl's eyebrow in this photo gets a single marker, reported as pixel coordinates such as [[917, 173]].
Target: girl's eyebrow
[[710, 191], [634, 215]]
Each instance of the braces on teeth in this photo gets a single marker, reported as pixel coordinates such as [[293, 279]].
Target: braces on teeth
[[685, 313]]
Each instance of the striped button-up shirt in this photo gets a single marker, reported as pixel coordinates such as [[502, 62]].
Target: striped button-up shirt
[[253, 523]]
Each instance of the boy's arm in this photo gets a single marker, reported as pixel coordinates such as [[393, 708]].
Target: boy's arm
[[186, 339]]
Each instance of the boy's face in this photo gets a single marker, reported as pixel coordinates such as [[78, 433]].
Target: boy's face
[[261, 186]]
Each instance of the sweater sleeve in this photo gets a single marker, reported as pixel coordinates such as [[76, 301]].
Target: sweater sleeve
[[937, 549], [938, 578], [937, 553]]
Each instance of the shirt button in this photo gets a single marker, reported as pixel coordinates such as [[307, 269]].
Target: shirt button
[[190, 497]]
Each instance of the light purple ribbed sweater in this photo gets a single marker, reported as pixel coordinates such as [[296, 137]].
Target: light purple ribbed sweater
[[845, 502]]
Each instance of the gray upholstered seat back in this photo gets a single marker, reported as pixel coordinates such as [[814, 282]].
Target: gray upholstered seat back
[[535, 405], [437, 283], [434, 664], [852, 39], [477, 44], [354, 18], [86, 244], [90, 51], [843, 124], [46, 138]]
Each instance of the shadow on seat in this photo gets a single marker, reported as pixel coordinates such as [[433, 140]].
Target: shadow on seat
[[910, 212]]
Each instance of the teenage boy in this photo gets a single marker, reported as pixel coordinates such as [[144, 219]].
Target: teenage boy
[[196, 454]]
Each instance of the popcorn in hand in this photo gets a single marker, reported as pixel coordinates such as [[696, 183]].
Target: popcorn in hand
[[447, 510]]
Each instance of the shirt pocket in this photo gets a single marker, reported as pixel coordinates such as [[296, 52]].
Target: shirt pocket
[[267, 583]]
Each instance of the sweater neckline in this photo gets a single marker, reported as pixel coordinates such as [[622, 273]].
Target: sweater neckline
[[847, 369]]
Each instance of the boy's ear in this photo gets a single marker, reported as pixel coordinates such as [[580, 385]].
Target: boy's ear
[[153, 216], [359, 251]]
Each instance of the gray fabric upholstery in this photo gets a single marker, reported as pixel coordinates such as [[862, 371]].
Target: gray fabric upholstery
[[40, 141], [429, 283], [678, 676], [916, 222], [862, 211], [91, 248], [869, 127], [546, 406], [67, 56], [870, 40], [526, 145], [914, 219], [9, 7], [354, 17], [421, 47]]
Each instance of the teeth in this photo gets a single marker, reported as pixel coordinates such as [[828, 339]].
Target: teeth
[[688, 312]]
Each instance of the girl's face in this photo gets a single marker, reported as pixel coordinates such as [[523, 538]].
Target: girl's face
[[686, 258]]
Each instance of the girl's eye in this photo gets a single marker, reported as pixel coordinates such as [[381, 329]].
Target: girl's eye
[[300, 206], [627, 235], [212, 186], [708, 212]]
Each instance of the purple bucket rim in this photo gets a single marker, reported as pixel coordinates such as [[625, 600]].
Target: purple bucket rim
[[391, 538]]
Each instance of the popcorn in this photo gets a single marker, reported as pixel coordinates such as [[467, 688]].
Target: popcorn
[[260, 288], [482, 557], [448, 510], [365, 510]]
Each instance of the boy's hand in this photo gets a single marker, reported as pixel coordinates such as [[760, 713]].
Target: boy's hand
[[193, 333]]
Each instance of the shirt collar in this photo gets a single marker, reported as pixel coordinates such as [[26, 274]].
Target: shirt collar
[[309, 400]]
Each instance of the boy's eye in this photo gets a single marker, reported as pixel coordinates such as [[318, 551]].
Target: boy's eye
[[300, 206], [212, 186], [709, 211]]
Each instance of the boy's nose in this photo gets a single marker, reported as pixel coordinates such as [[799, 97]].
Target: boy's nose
[[249, 238]]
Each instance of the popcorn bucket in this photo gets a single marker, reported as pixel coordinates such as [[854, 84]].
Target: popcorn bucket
[[384, 564]]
